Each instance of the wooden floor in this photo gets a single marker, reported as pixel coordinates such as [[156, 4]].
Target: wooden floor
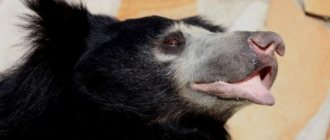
[[168, 8], [304, 74]]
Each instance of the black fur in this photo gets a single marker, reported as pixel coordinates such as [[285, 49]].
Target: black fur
[[91, 76], [198, 21]]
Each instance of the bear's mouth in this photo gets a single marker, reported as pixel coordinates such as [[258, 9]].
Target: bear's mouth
[[254, 88]]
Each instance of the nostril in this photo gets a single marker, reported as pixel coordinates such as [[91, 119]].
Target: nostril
[[260, 44], [280, 49], [262, 47]]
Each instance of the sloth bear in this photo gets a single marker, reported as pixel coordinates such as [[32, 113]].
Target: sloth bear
[[153, 78]]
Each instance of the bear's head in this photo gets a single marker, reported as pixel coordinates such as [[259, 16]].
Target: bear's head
[[167, 68]]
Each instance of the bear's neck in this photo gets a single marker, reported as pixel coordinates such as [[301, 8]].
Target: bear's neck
[[194, 127], [74, 121]]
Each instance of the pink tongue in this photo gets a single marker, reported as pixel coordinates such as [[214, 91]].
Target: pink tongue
[[252, 90], [256, 92]]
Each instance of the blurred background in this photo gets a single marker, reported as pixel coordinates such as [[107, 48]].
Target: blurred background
[[303, 81]]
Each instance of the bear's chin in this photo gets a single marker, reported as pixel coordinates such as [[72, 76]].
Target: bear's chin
[[213, 105]]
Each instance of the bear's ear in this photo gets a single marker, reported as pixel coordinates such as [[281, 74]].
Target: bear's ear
[[57, 23], [57, 31]]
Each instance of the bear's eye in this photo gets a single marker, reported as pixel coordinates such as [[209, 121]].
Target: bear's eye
[[172, 42], [174, 39]]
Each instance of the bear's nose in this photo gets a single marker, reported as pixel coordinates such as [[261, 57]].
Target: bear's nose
[[266, 43]]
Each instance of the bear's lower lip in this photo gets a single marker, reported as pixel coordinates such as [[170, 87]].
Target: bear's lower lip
[[254, 88]]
